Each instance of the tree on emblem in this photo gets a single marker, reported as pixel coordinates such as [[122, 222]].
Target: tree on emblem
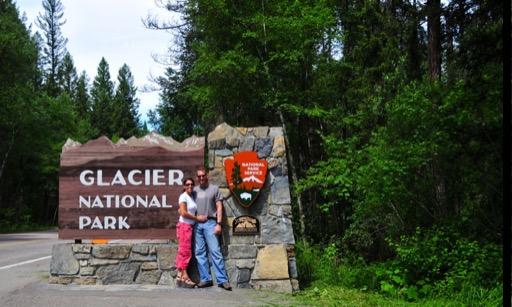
[[236, 176]]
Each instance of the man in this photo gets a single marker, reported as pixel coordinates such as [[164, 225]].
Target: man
[[209, 203]]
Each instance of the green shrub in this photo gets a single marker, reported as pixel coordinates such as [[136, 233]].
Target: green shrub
[[440, 262], [323, 265], [307, 259], [15, 219], [431, 268], [317, 264]]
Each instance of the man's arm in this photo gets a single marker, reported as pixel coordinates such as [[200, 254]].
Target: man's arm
[[218, 227], [219, 211]]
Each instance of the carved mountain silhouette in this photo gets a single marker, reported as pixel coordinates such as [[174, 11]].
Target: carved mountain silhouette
[[252, 179]]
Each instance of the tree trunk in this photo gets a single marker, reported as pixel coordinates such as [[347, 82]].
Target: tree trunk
[[2, 168], [293, 172], [434, 39]]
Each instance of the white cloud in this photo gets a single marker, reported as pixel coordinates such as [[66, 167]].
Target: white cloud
[[112, 29]]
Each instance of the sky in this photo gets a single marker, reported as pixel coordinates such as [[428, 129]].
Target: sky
[[112, 29]]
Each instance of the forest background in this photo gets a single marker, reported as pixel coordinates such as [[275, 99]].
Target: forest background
[[393, 114]]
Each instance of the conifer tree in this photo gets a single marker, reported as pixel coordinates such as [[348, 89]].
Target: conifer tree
[[54, 48], [125, 117], [102, 94], [18, 58], [67, 75], [82, 97]]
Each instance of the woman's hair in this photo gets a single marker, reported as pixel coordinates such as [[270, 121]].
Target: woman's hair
[[189, 179]]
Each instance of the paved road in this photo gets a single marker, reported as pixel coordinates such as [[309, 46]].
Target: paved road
[[24, 271]]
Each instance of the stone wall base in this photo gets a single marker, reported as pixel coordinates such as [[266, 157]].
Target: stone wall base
[[92, 264], [153, 264]]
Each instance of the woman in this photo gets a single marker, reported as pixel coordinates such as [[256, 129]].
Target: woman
[[184, 231]]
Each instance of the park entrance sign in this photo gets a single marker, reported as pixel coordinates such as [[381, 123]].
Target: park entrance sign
[[127, 190]]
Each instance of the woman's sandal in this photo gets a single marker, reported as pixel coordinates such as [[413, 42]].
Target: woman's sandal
[[187, 283], [179, 281]]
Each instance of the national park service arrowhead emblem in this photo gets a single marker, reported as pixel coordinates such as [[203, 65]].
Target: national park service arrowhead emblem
[[245, 175]]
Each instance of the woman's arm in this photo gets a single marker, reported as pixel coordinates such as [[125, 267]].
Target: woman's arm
[[184, 212]]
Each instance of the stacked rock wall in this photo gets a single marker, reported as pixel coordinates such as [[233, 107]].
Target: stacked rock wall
[[150, 263], [265, 260]]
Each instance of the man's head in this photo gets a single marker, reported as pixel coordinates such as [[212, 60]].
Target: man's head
[[202, 177]]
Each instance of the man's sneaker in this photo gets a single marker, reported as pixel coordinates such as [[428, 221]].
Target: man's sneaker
[[226, 286], [205, 284]]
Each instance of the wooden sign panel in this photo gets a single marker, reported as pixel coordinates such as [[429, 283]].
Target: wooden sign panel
[[127, 190]]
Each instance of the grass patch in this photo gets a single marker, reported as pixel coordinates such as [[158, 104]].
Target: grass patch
[[340, 296]]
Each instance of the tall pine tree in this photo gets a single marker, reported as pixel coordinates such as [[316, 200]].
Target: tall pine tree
[[82, 97], [125, 117], [18, 62], [102, 95], [54, 48], [67, 76]]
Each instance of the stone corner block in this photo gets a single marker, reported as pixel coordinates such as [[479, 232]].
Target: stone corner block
[[271, 263], [63, 260]]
